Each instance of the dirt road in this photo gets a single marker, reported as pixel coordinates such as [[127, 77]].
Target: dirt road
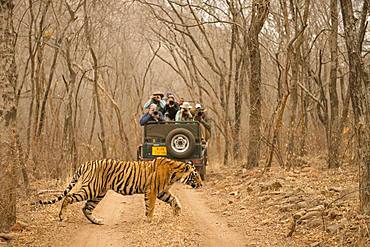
[[234, 208], [125, 224]]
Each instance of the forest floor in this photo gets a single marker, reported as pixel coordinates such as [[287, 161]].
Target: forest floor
[[307, 206]]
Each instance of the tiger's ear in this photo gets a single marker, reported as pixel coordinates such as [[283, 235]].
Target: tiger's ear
[[186, 168], [190, 163]]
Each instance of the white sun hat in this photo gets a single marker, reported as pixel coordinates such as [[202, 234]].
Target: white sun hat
[[186, 105]]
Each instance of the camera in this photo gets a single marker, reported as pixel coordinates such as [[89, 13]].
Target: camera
[[200, 114], [156, 99], [155, 113], [171, 102]]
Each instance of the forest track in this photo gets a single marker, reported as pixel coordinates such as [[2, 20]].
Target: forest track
[[125, 224], [232, 209]]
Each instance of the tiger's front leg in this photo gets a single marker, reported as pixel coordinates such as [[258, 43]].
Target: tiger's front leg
[[150, 198], [167, 197]]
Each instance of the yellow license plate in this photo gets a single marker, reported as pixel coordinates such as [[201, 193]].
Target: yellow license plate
[[159, 151]]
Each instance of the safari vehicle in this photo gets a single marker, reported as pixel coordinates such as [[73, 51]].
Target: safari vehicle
[[175, 140]]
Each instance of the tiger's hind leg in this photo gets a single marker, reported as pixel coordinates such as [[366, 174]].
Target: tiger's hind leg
[[167, 197], [90, 206], [78, 196]]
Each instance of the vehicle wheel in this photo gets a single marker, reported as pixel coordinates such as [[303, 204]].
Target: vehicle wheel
[[180, 143], [202, 172]]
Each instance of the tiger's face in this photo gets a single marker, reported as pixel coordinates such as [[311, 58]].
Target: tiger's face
[[191, 176], [182, 172], [194, 180]]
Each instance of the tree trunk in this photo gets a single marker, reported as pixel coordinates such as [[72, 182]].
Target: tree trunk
[[46, 93], [291, 149], [88, 32], [305, 78], [360, 96], [69, 139], [277, 123], [295, 64], [8, 78], [32, 79], [40, 78], [238, 114], [240, 62], [334, 131], [260, 9]]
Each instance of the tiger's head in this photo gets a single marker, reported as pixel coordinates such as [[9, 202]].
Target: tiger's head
[[190, 176], [183, 172], [193, 178]]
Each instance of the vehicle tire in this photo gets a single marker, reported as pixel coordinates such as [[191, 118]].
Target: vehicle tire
[[202, 172], [180, 143]]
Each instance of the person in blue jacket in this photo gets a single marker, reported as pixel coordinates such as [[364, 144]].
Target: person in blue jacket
[[152, 116]]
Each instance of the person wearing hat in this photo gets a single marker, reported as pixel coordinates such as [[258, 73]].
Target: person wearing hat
[[184, 113], [198, 107], [156, 99], [200, 116], [171, 108]]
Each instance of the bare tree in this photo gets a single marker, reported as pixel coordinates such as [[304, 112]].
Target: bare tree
[[238, 69], [260, 10], [360, 94], [300, 23], [8, 111], [334, 141], [88, 34]]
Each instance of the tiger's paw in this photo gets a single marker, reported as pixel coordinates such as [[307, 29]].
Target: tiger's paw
[[97, 221], [149, 220], [176, 211], [62, 217], [94, 220]]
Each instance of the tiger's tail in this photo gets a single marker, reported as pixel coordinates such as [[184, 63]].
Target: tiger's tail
[[73, 182]]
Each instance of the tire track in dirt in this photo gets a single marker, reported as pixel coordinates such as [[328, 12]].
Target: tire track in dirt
[[214, 229]]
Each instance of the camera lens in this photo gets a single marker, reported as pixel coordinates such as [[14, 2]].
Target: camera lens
[[170, 102], [155, 112], [200, 113]]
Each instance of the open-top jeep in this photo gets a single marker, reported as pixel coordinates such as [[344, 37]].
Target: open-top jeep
[[175, 140]]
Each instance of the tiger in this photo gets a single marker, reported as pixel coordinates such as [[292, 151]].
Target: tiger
[[152, 178]]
